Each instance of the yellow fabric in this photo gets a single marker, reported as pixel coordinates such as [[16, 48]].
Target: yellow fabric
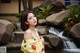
[[26, 47]]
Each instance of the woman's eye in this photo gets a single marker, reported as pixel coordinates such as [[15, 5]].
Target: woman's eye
[[29, 18]]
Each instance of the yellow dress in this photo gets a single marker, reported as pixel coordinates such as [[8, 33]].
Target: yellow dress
[[32, 46]]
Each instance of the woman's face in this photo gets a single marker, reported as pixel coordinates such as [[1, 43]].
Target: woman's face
[[31, 20]]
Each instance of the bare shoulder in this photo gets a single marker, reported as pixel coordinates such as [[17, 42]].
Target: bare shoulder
[[27, 32]]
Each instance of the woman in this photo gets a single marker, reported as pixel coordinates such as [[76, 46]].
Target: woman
[[32, 43]]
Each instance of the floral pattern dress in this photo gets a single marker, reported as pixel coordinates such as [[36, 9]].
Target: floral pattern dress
[[32, 46]]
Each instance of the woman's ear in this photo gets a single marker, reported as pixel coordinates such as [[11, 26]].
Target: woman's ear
[[26, 22]]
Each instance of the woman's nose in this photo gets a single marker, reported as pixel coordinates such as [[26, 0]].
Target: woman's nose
[[34, 19]]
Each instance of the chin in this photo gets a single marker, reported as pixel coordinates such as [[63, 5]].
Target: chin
[[35, 24]]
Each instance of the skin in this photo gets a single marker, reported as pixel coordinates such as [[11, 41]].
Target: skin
[[32, 22]]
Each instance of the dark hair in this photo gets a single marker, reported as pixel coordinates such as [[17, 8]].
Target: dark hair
[[24, 17]]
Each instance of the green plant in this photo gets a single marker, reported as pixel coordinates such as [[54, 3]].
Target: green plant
[[14, 26], [73, 18], [18, 15], [43, 12]]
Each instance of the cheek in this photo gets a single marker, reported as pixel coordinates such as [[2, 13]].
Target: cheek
[[30, 21], [35, 18]]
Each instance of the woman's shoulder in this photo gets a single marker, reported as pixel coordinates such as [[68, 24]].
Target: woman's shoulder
[[27, 31]]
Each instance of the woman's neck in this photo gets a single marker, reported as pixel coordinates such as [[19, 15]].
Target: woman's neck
[[32, 28]]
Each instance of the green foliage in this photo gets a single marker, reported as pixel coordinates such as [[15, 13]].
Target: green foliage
[[14, 26], [43, 12], [73, 18], [78, 18], [19, 15]]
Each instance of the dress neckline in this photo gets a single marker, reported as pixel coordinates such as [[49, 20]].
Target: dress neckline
[[36, 34]]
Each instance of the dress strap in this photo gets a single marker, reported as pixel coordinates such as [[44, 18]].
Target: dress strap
[[37, 35]]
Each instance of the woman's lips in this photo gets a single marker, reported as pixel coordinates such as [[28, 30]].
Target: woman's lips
[[35, 21]]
